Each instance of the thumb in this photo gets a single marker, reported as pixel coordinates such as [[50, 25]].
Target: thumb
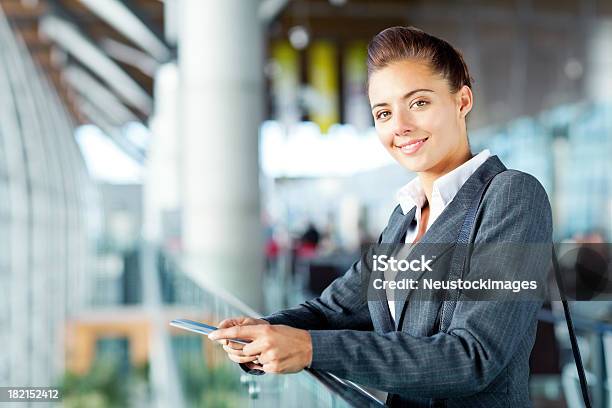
[[228, 323]]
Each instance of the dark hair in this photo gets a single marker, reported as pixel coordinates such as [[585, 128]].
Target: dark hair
[[399, 43]]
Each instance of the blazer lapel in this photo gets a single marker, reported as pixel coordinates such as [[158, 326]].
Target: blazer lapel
[[445, 229], [394, 233], [397, 225], [437, 240]]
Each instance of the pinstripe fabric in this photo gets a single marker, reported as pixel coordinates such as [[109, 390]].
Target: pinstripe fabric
[[481, 359]]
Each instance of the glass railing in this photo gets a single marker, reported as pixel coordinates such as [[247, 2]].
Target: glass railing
[[595, 342], [213, 380]]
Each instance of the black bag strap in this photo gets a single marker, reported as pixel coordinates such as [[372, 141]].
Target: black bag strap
[[570, 329], [456, 268]]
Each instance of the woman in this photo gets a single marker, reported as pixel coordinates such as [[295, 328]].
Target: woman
[[424, 354]]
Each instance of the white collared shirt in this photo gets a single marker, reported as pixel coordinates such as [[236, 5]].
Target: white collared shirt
[[443, 191]]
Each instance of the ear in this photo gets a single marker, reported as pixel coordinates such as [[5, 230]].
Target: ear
[[465, 100]]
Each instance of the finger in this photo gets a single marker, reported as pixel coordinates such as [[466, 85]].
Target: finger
[[236, 332], [231, 351], [241, 360], [255, 347], [223, 324], [234, 345], [272, 368], [234, 352]]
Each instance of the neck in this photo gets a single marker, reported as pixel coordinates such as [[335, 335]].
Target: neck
[[428, 177]]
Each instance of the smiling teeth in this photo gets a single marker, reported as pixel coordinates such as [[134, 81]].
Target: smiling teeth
[[413, 143]]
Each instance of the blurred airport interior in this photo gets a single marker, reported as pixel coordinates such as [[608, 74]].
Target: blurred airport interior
[[206, 158]]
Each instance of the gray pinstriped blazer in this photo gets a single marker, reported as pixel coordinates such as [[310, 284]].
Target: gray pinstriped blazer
[[482, 358]]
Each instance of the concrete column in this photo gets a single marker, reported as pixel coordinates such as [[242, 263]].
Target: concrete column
[[161, 195], [162, 181], [221, 96]]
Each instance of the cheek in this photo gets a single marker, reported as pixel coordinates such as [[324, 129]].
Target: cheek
[[384, 135], [437, 122], [430, 121]]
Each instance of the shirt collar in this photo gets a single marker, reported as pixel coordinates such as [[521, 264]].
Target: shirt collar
[[445, 187]]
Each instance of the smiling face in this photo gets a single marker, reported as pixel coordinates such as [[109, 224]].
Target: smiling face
[[417, 118]]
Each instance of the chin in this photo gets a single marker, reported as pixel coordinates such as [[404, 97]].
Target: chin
[[416, 164]]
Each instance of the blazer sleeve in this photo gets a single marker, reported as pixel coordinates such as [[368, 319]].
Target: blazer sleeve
[[482, 337]]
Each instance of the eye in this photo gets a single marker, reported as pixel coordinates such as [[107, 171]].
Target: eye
[[383, 115], [420, 103]]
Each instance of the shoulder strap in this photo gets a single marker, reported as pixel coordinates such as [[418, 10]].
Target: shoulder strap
[[572, 335], [456, 270]]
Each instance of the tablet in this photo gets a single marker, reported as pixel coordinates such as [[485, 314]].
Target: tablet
[[200, 328]]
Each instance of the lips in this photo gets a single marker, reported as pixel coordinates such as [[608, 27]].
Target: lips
[[412, 146]]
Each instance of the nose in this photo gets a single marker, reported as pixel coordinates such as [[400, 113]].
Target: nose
[[403, 123]]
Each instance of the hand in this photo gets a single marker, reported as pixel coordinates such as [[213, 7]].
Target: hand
[[278, 348], [233, 349]]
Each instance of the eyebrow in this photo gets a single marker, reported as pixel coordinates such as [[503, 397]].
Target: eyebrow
[[407, 95]]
